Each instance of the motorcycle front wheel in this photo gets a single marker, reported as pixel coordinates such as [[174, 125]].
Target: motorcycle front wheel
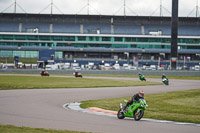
[[120, 114], [138, 115]]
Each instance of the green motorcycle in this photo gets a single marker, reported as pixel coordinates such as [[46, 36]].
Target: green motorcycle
[[136, 110], [165, 81], [141, 77]]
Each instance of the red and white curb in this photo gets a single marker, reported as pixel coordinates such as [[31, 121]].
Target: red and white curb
[[98, 111]]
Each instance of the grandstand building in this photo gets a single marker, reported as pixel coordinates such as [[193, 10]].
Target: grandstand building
[[87, 37]]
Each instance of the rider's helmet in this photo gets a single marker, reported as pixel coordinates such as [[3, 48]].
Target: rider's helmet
[[163, 74], [141, 93]]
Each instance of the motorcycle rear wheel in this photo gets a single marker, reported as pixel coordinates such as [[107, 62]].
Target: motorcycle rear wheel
[[120, 114], [166, 83], [139, 115]]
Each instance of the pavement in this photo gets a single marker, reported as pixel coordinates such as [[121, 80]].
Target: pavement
[[43, 108]]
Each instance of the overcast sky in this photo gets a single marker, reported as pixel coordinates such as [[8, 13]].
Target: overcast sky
[[103, 7]]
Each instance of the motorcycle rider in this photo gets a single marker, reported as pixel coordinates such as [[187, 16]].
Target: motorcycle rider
[[43, 71], [135, 98], [141, 77], [76, 74], [164, 76], [139, 74]]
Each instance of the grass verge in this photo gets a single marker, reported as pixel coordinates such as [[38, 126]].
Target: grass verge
[[14, 129], [149, 76], [126, 76], [181, 106], [33, 82]]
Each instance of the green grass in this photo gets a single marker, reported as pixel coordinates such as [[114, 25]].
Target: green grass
[[126, 76], [150, 76], [36, 82], [181, 106], [14, 129]]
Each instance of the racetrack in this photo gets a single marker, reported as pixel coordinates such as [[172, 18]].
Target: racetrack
[[42, 108]]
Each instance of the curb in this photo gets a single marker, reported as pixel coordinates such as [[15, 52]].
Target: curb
[[99, 111], [102, 110]]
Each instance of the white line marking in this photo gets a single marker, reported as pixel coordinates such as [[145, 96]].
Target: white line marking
[[76, 106]]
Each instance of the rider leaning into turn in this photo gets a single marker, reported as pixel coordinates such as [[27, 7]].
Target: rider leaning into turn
[[43, 71], [164, 76], [135, 98], [139, 74]]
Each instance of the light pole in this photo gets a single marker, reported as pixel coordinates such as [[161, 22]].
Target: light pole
[[174, 33]]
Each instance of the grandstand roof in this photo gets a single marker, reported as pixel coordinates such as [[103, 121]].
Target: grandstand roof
[[86, 18], [96, 24]]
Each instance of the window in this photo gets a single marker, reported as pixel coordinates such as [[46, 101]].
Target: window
[[57, 38], [91, 38], [44, 37], [154, 39], [143, 39], [81, 38], [7, 37], [130, 39], [32, 37], [69, 38], [118, 39], [105, 38], [166, 40], [20, 37]]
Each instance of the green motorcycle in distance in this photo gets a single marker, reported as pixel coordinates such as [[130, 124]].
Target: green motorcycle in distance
[[165, 81], [141, 77], [136, 110]]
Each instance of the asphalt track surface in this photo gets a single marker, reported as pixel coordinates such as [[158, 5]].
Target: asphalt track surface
[[43, 108]]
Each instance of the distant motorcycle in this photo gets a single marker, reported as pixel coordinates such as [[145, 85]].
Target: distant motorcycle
[[165, 81], [136, 110], [44, 73], [142, 78], [78, 74]]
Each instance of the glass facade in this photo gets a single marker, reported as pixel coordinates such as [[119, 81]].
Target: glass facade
[[97, 41], [88, 41], [25, 54]]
